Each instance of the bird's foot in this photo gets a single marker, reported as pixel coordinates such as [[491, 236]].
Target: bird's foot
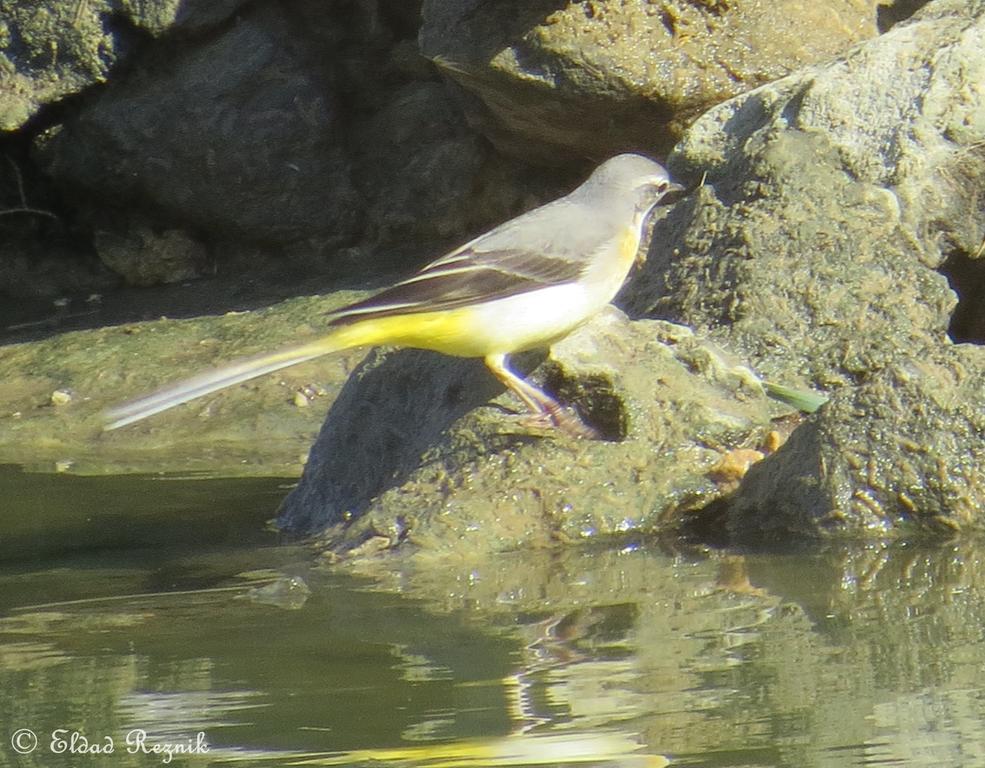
[[564, 420]]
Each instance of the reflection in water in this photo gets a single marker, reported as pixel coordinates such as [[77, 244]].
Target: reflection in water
[[600, 748], [866, 655]]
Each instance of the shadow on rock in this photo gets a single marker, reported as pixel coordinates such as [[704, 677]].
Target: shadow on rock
[[394, 410]]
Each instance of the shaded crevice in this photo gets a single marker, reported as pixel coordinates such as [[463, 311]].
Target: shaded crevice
[[594, 398], [889, 14], [966, 276]]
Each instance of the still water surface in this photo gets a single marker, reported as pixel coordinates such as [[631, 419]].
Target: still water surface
[[161, 611]]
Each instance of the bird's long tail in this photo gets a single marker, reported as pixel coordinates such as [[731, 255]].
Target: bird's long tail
[[228, 375]]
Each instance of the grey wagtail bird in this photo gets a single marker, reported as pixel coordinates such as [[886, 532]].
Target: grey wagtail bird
[[523, 285]]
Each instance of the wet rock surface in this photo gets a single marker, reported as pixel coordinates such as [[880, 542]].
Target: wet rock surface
[[255, 430], [820, 249], [832, 240], [901, 453], [415, 450]]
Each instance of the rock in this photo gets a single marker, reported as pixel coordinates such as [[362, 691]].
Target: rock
[[411, 451], [317, 132], [161, 17], [592, 79], [144, 256], [250, 430], [894, 11], [426, 177], [50, 49], [819, 247], [238, 136], [426, 180], [831, 207], [797, 265], [902, 453]]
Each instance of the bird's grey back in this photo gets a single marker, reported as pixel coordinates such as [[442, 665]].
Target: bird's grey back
[[582, 221]]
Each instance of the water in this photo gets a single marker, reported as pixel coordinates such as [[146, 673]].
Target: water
[[162, 611]]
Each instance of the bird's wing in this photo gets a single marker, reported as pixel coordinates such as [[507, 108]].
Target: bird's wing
[[488, 268], [460, 283]]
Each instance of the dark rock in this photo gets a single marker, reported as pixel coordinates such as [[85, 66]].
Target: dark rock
[[50, 49], [892, 12], [425, 176], [238, 136], [145, 256]]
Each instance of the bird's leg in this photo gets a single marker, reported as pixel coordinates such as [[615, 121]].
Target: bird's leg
[[547, 411]]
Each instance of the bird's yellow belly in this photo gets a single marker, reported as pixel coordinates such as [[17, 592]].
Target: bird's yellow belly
[[513, 324], [516, 323]]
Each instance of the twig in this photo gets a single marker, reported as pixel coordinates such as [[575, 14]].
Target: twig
[[35, 211], [23, 207]]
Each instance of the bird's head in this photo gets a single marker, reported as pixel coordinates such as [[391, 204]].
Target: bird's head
[[636, 176]]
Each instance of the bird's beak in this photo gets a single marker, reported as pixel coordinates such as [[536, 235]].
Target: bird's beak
[[673, 193]]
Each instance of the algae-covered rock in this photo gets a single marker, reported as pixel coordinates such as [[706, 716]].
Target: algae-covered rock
[[590, 79], [257, 429], [805, 268], [834, 203], [412, 452], [50, 49], [901, 453]]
